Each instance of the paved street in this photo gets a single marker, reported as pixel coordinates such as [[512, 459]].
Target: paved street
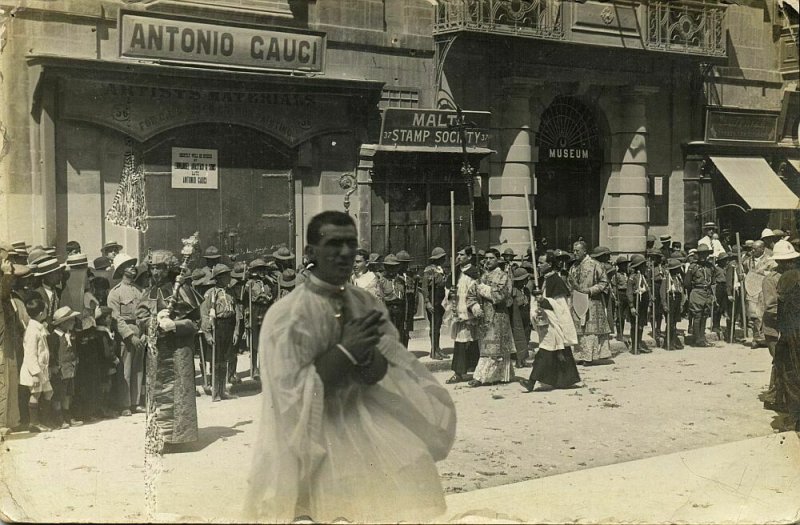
[[637, 407]]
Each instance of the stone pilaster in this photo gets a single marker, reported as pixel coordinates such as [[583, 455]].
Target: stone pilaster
[[626, 211], [361, 200], [508, 184]]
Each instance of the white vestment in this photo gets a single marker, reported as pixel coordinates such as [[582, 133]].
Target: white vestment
[[364, 453]]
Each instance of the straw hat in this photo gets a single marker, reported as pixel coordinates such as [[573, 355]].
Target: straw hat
[[784, 251], [708, 225], [47, 265], [77, 261], [63, 314], [110, 246]]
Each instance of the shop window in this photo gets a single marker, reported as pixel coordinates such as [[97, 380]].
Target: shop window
[[395, 97], [659, 200]]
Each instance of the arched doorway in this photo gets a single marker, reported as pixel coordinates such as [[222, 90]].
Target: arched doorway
[[252, 209], [569, 174]]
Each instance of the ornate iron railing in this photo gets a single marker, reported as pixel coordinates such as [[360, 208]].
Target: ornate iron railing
[[686, 27], [525, 18]]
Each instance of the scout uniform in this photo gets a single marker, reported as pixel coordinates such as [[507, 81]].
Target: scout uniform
[[698, 282], [638, 291], [123, 299], [256, 297], [722, 306], [220, 323], [394, 293], [655, 276], [435, 280], [619, 290], [411, 286], [672, 298]]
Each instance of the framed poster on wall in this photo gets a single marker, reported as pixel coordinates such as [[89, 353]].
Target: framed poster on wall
[[659, 199], [194, 168]]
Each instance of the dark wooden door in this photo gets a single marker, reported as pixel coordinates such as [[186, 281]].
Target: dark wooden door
[[567, 208], [252, 209]]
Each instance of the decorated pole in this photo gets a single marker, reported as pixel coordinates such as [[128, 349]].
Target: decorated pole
[[742, 290], [453, 237], [530, 236]]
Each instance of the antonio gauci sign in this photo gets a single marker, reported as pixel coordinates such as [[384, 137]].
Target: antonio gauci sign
[[155, 37], [433, 128]]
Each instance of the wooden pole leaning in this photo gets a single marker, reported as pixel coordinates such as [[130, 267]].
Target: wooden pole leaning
[[530, 236], [742, 290]]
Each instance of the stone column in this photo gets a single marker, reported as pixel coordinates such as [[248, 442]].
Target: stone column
[[361, 200], [507, 186], [626, 211]]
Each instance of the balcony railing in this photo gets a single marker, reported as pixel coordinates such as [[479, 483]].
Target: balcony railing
[[677, 26], [525, 18], [686, 27]]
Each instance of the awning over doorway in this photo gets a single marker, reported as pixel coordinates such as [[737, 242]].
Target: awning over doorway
[[795, 164], [433, 149], [756, 183]]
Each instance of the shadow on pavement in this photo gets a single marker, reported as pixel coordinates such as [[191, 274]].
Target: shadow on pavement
[[206, 436]]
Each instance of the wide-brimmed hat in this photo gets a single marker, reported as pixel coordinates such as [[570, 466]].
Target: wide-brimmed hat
[[390, 260], [693, 251], [199, 277], [110, 246], [622, 259], [47, 265], [673, 264], [212, 252], [283, 254], [50, 250], [21, 247], [287, 278], [438, 253], [122, 261], [509, 251], [652, 252], [520, 274], [651, 238], [784, 251], [561, 254], [36, 255], [599, 251], [665, 238], [636, 260], [101, 263], [257, 263], [709, 224], [374, 258], [219, 269], [766, 233], [63, 314], [779, 233], [749, 243], [724, 256], [403, 256], [238, 270], [703, 248], [77, 261]]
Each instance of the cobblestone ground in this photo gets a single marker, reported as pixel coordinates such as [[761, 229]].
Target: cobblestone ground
[[631, 408]]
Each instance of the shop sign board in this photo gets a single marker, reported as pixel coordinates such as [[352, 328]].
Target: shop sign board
[[434, 128], [182, 40], [194, 168], [730, 125]]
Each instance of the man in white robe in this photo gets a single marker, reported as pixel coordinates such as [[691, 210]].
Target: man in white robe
[[351, 423]]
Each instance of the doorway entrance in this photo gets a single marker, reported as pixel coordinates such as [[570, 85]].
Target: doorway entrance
[[411, 206], [569, 173], [252, 211]]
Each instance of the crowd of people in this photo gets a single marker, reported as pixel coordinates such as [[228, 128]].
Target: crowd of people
[[74, 337], [579, 301]]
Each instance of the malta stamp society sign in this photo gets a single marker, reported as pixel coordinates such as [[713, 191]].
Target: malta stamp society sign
[[194, 168]]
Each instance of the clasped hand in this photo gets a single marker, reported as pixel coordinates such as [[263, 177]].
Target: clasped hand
[[360, 335]]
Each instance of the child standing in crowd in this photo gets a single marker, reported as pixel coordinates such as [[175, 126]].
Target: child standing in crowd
[[63, 361], [35, 373], [108, 358]]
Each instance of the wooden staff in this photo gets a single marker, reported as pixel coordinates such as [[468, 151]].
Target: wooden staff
[[453, 237], [733, 304], [530, 235], [741, 287], [669, 313]]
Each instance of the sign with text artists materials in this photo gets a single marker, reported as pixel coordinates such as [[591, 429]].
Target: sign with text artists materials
[[182, 40], [195, 169], [735, 125], [433, 128]]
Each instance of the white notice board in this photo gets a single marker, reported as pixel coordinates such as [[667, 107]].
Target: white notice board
[[195, 168]]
